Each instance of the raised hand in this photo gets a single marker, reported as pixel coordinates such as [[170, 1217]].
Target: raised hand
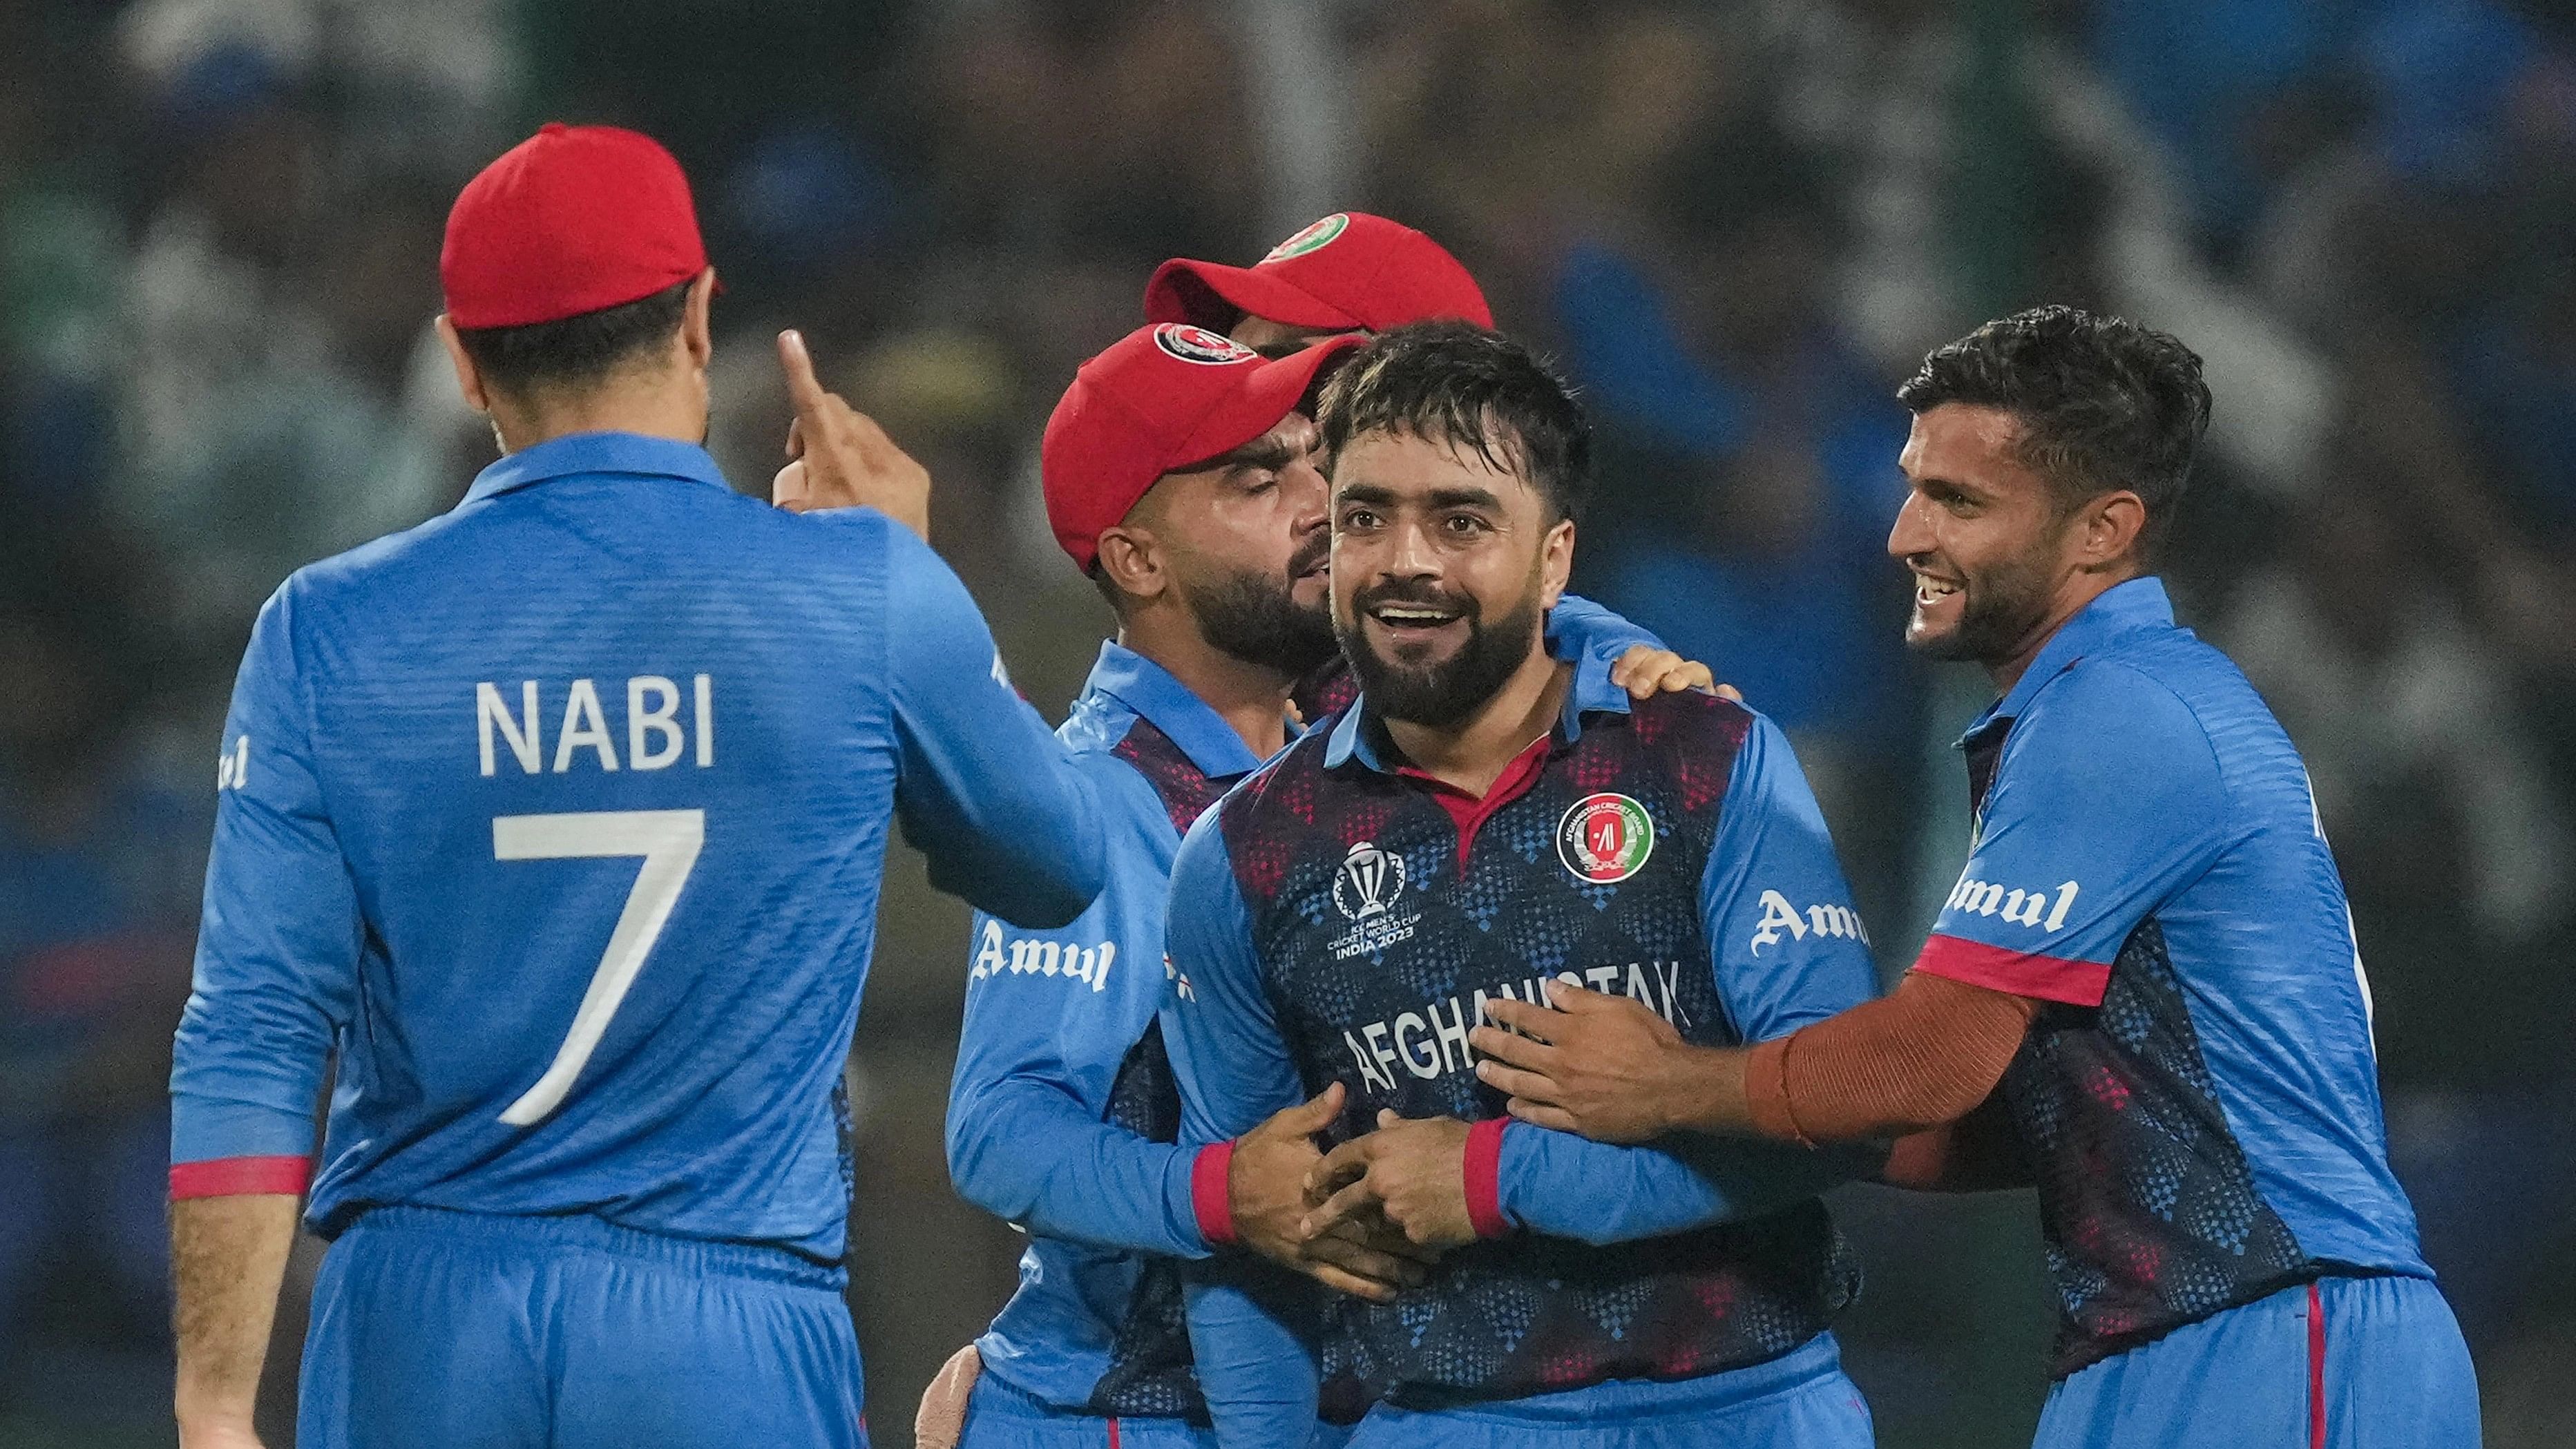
[[838, 457]]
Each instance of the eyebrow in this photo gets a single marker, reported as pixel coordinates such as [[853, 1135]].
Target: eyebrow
[[1382, 496], [1265, 451]]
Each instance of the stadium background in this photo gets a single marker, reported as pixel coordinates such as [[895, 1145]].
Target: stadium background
[[1737, 224]]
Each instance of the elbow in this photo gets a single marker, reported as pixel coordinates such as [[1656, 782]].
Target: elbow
[[1919, 1106], [975, 1157]]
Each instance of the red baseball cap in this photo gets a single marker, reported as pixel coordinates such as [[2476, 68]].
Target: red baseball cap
[[571, 220], [1161, 398], [1350, 270]]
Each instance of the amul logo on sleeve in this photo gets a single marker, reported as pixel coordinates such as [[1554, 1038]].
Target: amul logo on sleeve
[[1315, 236], [1605, 839]]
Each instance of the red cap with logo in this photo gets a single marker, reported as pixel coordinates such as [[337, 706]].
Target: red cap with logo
[[1348, 271], [1161, 398], [574, 219]]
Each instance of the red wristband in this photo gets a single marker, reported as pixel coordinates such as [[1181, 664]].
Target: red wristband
[[1210, 1198], [1484, 1167], [239, 1177]]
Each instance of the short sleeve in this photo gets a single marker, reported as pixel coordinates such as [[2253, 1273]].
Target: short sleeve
[[2106, 800]]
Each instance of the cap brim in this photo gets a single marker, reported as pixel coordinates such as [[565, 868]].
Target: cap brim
[[1271, 392], [1215, 296]]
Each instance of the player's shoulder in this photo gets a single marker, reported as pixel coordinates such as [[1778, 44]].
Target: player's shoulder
[[1287, 780], [2132, 712]]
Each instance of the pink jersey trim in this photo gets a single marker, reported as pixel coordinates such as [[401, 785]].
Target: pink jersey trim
[[2021, 973], [1484, 1172], [1210, 1199], [239, 1176]]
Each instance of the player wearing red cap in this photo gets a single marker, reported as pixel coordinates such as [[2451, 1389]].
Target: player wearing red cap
[[1179, 475], [558, 821], [1347, 274]]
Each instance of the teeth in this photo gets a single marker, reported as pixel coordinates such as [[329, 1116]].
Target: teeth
[[1411, 616], [1926, 591]]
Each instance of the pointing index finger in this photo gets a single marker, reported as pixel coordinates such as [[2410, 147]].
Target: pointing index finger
[[803, 388]]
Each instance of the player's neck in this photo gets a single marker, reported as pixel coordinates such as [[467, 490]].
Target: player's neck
[[2073, 597], [1252, 700], [1473, 753], [670, 406]]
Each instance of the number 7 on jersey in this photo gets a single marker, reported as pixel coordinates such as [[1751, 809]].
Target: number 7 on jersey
[[669, 841]]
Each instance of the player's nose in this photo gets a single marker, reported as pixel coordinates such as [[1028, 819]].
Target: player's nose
[[1911, 534]]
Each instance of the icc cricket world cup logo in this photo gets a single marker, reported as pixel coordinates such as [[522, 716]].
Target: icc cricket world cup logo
[[1369, 881]]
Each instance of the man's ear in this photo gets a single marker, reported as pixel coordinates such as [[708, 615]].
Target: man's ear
[[1132, 560], [2108, 529], [697, 324], [469, 378], [1555, 562]]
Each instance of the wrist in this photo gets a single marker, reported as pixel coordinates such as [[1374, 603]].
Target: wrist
[[1212, 1193], [1481, 1164], [1707, 1092]]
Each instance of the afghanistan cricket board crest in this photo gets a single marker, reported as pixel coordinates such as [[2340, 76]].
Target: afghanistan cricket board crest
[[1605, 839], [1199, 345], [1313, 237]]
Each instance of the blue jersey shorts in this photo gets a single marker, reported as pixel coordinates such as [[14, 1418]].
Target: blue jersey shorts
[[2344, 1363], [1800, 1400], [999, 1416], [444, 1330]]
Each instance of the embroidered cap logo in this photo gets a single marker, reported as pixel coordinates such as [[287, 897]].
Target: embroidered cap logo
[[1313, 237]]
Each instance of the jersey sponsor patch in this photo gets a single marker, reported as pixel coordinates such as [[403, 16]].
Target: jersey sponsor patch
[[1314, 236], [997, 955], [1605, 838], [2044, 908], [232, 767], [1780, 918], [1199, 345]]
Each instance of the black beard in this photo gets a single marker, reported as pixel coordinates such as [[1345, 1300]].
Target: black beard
[[1440, 695], [1259, 621], [2002, 607]]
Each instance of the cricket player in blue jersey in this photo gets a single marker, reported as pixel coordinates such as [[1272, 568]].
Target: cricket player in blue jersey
[[2143, 995], [557, 821], [1490, 823], [1179, 476]]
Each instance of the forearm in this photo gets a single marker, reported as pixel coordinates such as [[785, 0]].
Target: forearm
[[1254, 1363], [227, 1261], [1980, 1152], [1923, 1056], [1028, 1154], [1573, 1187]]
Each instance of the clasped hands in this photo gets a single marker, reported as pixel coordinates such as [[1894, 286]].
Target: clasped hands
[[1368, 1218]]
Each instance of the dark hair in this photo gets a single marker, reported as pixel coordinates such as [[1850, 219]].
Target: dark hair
[[1457, 383], [2103, 403], [578, 350]]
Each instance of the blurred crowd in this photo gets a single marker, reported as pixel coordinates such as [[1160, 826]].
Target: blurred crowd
[[1737, 225]]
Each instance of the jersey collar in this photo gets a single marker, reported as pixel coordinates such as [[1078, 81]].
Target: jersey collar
[[2140, 603], [1168, 705], [595, 453], [1357, 734]]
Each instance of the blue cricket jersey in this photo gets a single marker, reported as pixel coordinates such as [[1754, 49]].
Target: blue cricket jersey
[[2199, 1098], [1062, 1116], [1681, 825], [559, 819]]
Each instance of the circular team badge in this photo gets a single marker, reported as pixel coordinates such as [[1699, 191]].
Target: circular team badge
[[1199, 345], [1604, 839], [1314, 237]]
